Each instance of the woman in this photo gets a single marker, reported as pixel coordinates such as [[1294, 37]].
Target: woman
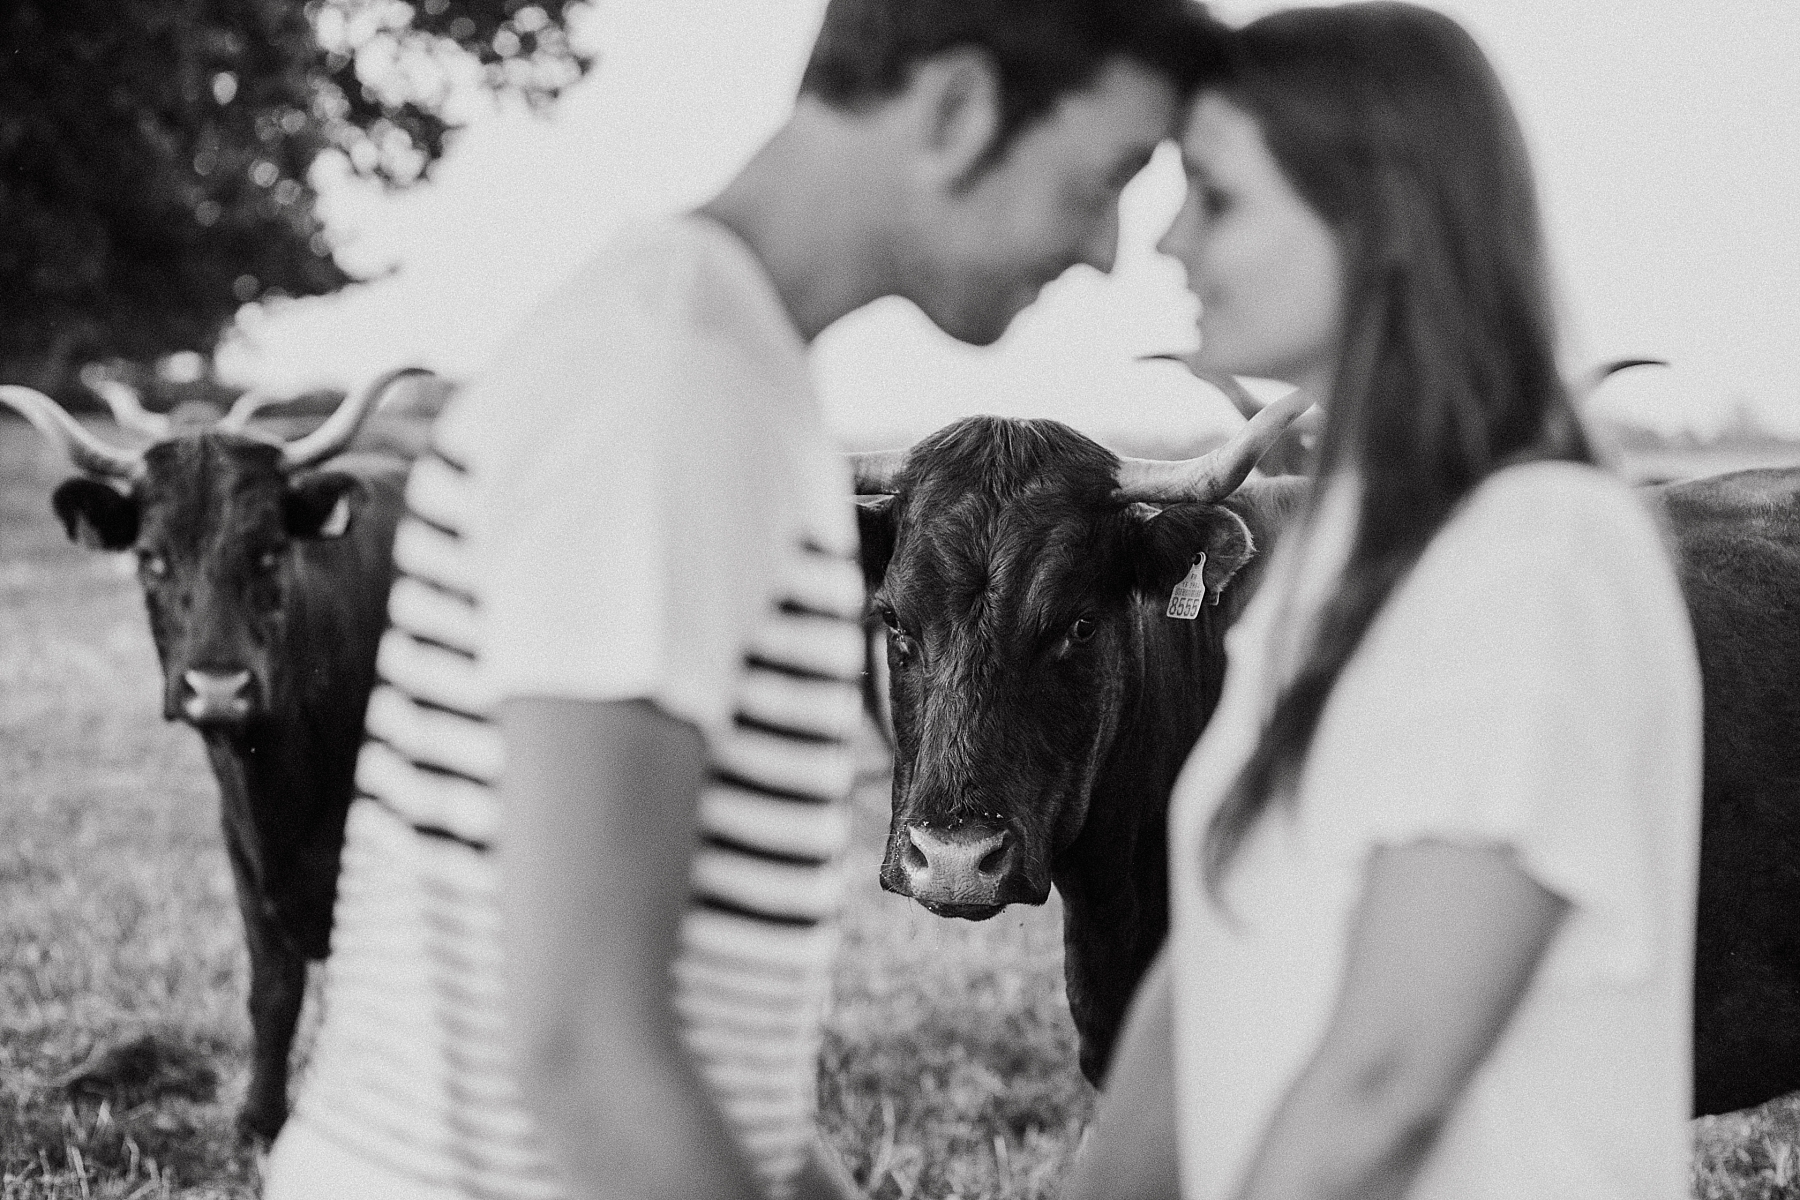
[[1434, 858]]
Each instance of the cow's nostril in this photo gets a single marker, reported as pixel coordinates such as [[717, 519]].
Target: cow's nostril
[[992, 861], [915, 857], [209, 696]]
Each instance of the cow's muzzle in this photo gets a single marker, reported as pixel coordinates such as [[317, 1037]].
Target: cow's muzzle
[[217, 697], [970, 871]]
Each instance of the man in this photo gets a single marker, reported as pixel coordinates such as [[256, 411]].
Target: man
[[630, 576]]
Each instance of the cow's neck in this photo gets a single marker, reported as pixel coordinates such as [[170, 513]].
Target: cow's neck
[[301, 763], [1175, 675], [289, 767], [1114, 878]]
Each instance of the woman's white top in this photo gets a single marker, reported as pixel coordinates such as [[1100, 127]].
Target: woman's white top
[[1531, 685]]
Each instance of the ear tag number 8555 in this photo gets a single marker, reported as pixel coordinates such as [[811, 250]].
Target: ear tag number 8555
[[1190, 593]]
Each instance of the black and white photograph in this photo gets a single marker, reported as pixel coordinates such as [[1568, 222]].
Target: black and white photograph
[[899, 600]]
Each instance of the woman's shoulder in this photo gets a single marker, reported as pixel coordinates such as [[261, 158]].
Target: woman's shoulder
[[1568, 513], [1555, 493], [1558, 537]]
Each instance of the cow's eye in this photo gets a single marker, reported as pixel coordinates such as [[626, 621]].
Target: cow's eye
[[152, 564], [892, 620], [1082, 629], [268, 560]]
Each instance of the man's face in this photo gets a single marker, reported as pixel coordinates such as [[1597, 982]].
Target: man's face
[[985, 248]]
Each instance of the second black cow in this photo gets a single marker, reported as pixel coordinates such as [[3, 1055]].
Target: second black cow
[[266, 578]]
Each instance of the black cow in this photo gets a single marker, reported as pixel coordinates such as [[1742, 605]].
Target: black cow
[[1737, 548], [266, 582], [1043, 703]]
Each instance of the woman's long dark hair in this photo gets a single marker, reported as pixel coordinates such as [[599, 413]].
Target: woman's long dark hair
[[1389, 122]]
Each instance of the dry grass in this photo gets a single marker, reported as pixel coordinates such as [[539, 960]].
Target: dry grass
[[949, 1066], [116, 911]]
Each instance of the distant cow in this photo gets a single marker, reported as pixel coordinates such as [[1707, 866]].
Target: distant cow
[[1736, 539], [266, 581], [1043, 703]]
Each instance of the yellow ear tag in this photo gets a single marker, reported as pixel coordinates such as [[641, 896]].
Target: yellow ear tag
[[1190, 593]]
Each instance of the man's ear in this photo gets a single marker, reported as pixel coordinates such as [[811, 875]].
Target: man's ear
[[95, 514], [875, 520], [322, 504], [958, 92], [1165, 543]]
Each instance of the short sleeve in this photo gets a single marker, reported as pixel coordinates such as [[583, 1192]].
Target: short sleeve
[[1533, 685], [628, 552]]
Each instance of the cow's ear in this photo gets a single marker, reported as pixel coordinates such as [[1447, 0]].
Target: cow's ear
[[1165, 542], [322, 504], [95, 514], [875, 517]]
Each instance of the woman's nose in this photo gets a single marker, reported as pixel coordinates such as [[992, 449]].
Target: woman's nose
[[1176, 240]]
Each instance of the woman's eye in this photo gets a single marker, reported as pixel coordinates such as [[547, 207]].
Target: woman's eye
[[1214, 202], [152, 564], [1082, 629]]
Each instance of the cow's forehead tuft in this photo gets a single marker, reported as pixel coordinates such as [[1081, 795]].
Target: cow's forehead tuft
[[189, 458], [193, 482], [1006, 457], [1014, 565]]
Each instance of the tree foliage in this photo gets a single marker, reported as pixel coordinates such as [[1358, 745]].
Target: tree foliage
[[157, 157]]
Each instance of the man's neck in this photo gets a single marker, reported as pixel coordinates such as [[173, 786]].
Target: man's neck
[[812, 215]]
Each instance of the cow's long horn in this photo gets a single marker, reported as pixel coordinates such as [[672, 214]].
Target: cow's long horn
[[877, 472], [86, 451], [1216, 475], [343, 423], [128, 409], [243, 409], [1607, 370], [1239, 395]]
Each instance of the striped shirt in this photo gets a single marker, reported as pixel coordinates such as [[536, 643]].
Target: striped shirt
[[413, 1070]]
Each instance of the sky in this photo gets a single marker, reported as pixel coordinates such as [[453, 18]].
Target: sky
[[1665, 136]]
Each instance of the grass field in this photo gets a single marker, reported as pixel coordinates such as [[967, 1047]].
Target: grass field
[[949, 1067]]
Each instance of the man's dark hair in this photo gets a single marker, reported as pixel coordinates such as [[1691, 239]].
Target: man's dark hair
[[1041, 49]]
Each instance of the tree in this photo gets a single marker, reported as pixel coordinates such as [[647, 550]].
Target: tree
[[157, 156]]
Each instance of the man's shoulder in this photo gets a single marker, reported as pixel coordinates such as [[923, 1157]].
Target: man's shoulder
[[671, 318], [680, 278]]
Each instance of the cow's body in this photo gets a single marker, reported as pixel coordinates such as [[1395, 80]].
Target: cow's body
[[306, 634], [1737, 540], [286, 778], [1737, 548], [1113, 878], [266, 583], [1023, 760]]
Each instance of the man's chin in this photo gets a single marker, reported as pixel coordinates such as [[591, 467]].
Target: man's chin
[[985, 315], [969, 329], [981, 329]]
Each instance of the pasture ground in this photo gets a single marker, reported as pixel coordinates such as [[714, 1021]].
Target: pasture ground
[[949, 1064]]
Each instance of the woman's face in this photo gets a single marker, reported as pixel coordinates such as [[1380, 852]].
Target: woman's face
[[1264, 265]]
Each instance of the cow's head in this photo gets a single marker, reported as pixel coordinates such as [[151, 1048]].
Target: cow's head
[[1009, 561], [214, 516]]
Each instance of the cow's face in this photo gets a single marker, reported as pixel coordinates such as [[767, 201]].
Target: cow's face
[[214, 521], [1010, 579]]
